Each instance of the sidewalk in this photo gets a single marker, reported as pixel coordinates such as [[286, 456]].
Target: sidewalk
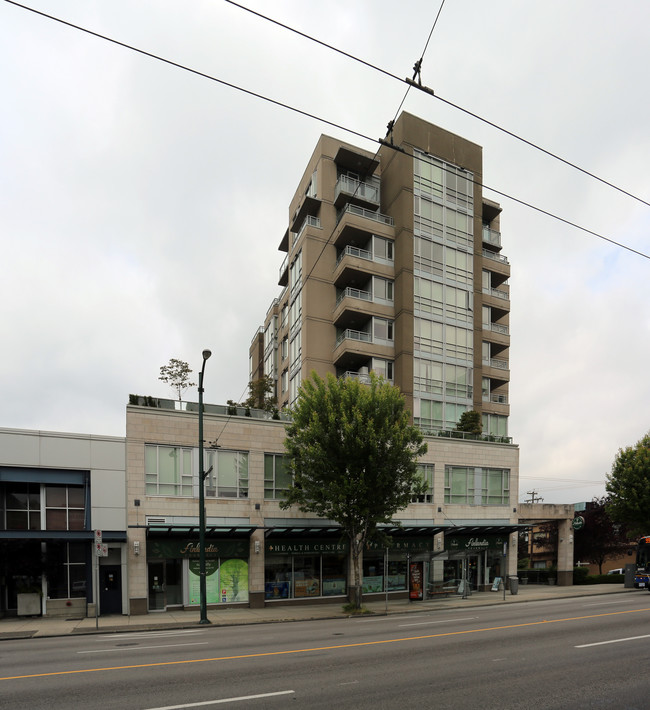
[[30, 627]]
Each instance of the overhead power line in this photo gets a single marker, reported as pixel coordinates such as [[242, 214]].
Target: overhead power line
[[309, 115], [429, 91]]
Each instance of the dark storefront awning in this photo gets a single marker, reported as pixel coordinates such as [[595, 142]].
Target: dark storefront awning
[[63, 535], [224, 531]]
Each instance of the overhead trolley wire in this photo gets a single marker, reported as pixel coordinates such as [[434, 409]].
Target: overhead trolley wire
[[429, 91], [309, 115]]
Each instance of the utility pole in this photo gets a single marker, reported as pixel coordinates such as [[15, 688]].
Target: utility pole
[[534, 498]]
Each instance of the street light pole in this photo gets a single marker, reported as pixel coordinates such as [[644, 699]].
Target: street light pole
[[202, 590]]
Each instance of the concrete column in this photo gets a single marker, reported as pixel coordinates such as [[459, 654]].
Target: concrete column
[[564, 553]]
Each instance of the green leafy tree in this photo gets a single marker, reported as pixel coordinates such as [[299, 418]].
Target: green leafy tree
[[177, 375], [600, 539], [628, 486], [470, 422], [353, 456], [261, 394]]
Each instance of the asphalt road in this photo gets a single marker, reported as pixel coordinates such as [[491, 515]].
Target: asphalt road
[[591, 652]]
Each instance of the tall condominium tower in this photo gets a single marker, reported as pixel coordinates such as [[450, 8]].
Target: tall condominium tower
[[393, 264]]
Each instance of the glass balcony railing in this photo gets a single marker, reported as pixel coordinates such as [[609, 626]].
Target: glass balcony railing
[[368, 191], [284, 267], [367, 214], [354, 251], [495, 256], [353, 293], [497, 328], [490, 236], [349, 334], [504, 295], [496, 363]]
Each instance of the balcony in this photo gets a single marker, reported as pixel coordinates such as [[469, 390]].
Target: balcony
[[490, 236], [495, 256], [310, 221], [496, 398], [497, 328], [350, 334], [353, 293], [354, 251], [496, 363], [364, 194], [283, 277], [366, 214], [497, 293]]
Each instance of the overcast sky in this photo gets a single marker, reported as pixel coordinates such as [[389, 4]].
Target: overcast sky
[[141, 206]]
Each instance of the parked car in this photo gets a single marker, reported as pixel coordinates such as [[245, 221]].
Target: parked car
[[618, 570]]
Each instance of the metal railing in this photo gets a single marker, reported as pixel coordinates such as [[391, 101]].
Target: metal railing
[[497, 328], [368, 214], [349, 334], [496, 292], [495, 256], [353, 293], [284, 267], [363, 190], [354, 251], [498, 364]]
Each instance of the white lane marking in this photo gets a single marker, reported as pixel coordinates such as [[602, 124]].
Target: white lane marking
[[224, 700], [621, 601], [350, 682], [602, 643], [147, 634], [443, 621], [389, 617], [140, 648]]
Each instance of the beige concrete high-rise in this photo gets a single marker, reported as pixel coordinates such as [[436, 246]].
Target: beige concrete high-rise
[[393, 264]]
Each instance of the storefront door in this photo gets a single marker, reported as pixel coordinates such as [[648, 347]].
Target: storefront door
[[165, 584]]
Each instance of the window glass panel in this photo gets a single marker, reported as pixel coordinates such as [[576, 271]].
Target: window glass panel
[[75, 497], [56, 519], [55, 496]]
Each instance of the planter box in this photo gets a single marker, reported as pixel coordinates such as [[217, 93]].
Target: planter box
[[29, 604]]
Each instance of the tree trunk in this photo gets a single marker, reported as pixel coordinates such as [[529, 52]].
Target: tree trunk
[[355, 593]]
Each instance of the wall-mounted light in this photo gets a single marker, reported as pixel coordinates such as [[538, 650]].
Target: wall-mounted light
[[257, 547], [136, 547]]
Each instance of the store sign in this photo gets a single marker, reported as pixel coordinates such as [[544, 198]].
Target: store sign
[[476, 543], [182, 548], [306, 547], [406, 544]]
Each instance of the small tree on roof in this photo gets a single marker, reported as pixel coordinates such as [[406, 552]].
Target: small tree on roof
[[177, 375]]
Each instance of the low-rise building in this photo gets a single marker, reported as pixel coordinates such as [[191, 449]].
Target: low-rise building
[[257, 553], [57, 490]]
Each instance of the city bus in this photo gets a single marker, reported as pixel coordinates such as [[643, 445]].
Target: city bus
[[642, 575]]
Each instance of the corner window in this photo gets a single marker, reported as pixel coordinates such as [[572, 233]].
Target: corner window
[[425, 470], [277, 477]]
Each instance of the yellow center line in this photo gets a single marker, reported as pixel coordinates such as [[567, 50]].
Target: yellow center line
[[324, 648]]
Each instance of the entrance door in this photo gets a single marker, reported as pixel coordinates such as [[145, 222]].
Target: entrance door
[[157, 586], [110, 589], [165, 584]]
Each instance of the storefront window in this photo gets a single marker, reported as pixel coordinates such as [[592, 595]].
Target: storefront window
[[306, 576], [277, 577], [66, 569], [334, 575]]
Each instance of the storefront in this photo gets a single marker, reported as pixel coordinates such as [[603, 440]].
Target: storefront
[[305, 568], [173, 571], [473, 560], [301, 567]]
